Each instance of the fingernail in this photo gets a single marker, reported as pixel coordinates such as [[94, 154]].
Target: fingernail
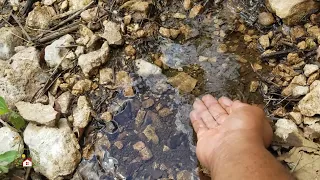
[[226, 101]]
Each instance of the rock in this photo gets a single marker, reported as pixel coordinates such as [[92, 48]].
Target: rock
[[292, 11], [40, 17], [106, 76], [38, 113], [144, 151], [55, 151], [297, 32], [78, 4], [264, 41], [150, 133], [314, 84], [147, 103], [79, 51], [81, 86], [293, 58], [183, 175], [118, 144], [87, 37], [314, 31], [140, 117], [312, 131], [309, 105], [146, 69], [81, 113], [195, 10], [63, 102], [64, 5], [169, 33], [8, 41], [89, 62], [179, 16], [187, 4], [138, 6], [266, 19], [112, 33], [129, 50], [284, 128], [106, 116], [310, 120], [310, 43], [89, 14], [254, 86], [302, 45], [222, 48], [300, 91], [55, 54], [183, 82], [49, 2], [312, 78], [296, 117], [310, 69], [10, 140], [164, 112], [300, 80]]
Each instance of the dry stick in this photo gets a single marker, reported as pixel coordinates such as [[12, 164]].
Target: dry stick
[[295, 166], [58, 34], [59, 16], [20, 25]]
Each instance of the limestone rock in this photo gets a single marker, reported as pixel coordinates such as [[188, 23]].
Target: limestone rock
[[264, 41], [310, 120], [146, 69], [87, 37], [40, 17], [10, 140], [314, 84], [55, 53], [8, 41], [309, 105], [130, 51], [106, 76], [144, 151], [312, 131], [140, 117], [138, 6], [81, 114], [292, 11], [183, 175], [310, 69], [299, 80], [296, 117], [284, 127], [89, 62], [21, 77], [266, 19], [63, 102], [183, 82], [187, 4], [164, 112], [82, 86], [300, 91], [150, 133], [89, 14], [78, 4], [55, 151], [147, 103], [49, 2], [112, 33], [38, 113], [195, 10]]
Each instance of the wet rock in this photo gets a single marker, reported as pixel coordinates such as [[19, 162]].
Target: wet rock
[[82, 112], [183, 82], [37, 113], [310, 69], [78, 4], [164, 112], [147, 103], [266, 19], [129, 50], [55, 151], [40, 17], [140, 117], [292, 11], [150, 133], [55, 54], [144, 151], [195, 10], [264, 41], [106, 76], [90, 61], [296, 117], [82, 86], [8, 41], [89, 14], [169, 33], [222, 48], [300, 80], [106, 116], [187, 4], [300, 91], [62, 103], [112, 33], [185, 174], [254, 86], [118, 144], [309, 105], [207, 59], [10, 140]]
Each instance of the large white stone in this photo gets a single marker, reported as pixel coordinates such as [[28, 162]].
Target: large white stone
[[10, 140], [8, 40], [54, 151], [309, 105], [37, 113], [310, 69]]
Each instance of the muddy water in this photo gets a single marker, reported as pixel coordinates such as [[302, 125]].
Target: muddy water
[[173, 156]]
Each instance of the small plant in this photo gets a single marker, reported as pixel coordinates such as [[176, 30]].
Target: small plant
[[14, 118], [6, 159]]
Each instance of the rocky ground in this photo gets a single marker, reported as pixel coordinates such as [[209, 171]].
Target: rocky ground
[[105, 87]]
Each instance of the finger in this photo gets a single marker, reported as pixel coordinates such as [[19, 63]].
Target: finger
[[215, 109], [197, 122], [204, 113], [226, 104]]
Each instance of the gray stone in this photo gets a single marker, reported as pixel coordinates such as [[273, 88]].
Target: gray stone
[[112, 33], [82, 112], [8, 41], [309, 105], [144, 151], [150, 133], [88, 62], [62, 103], [38, 113], [183, 82], [55, 151], [40, 17]]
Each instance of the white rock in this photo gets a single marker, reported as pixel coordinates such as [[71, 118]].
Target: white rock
[[146, 69], [55, 151], [23, 78], [309, 105], [266, 19], [300, 91], [78, 4], [10, 140], [299, 80], [55, 53], [14, 3], [8, 41], [37, 113], [284, 127], [79, 51], [310, 69], [40, 17], [89, 14], [264, 41], [88, 38], [95, 59], [63, 102], [81, 114], [106, 76], [49, 2], [112, 33]]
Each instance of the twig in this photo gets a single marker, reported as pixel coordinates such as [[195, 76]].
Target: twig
[[22, 29], [58, 34], [294, 168], [20, 37], [27, 172], [59, 16]]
